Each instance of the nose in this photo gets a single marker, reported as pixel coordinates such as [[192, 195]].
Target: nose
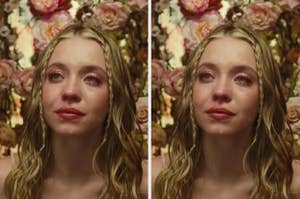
[[222, 92], [71, 92]]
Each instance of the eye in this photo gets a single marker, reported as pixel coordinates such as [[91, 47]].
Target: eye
[[243, 80], [205, 77], [92, 80], [54, 76]]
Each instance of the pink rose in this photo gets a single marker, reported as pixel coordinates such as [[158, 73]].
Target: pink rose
[[173, 81], [7, 70], [261, 15], [293, 113], [111, 15], [46, 28], [7, 135], [194, 6], [138, 4], [23, 81], [196, 29], [158, 68], [198, 7], [289, 4], [142, 113], [44, 7]]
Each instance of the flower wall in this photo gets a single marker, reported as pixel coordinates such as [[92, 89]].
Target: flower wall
[[41, 20], [179, 25]]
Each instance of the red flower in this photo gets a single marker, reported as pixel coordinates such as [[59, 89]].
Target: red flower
[[47, 7], [198, 7]]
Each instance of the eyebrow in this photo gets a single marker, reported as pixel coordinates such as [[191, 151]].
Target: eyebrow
[[236, 68], [86, 68]]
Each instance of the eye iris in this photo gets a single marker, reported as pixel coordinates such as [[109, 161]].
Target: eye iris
[[54, 77], [205, 77], [93, 80], [244, 80]]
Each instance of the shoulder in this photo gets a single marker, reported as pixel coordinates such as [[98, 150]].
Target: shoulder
[[295, 186], [144, 184], [158, 164], [6, 165]]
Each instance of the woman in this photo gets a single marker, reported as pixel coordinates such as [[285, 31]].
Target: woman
[[78, 137], [228, 141]]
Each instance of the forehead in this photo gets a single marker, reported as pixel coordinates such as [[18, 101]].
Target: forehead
[[77, 50], [229, 50]]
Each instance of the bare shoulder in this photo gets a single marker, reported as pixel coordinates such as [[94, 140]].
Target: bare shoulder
[[295, 187], [6, 164], [158, 163], [144, 184]]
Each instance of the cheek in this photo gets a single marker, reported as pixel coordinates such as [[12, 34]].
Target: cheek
[[50, 99], [199, 95], [100, 102], [251, 101]]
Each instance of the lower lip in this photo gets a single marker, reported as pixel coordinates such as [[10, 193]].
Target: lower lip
[[220, 116], [69, 116]]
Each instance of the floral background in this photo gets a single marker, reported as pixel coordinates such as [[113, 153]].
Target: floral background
[[26, 27], [179, 25]]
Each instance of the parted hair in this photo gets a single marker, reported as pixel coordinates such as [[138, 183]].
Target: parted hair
[[268, 157], [117, 157]]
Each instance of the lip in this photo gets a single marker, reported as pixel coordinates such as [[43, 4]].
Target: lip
[[220, 113], [69, 113]]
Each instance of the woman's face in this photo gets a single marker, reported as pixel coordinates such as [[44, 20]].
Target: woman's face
[[225, 92], [75, 91]]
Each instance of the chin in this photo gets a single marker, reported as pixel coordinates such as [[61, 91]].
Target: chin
[[219, 130], [68, 130]]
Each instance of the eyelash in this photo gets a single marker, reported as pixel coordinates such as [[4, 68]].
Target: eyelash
[[243, 80], [203, 77], [93, 80], [56, 77], [53, 76]]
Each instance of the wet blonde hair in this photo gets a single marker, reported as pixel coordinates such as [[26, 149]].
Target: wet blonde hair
[[117, 157], [268, 158]]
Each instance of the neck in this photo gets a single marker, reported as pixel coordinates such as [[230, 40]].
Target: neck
[[223, 157], [73, 157]]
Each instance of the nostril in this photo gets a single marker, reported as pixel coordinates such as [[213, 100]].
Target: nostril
[[221, 97], [71, 96]]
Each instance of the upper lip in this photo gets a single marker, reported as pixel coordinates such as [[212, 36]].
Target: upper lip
[[220, 110], [69, 110]]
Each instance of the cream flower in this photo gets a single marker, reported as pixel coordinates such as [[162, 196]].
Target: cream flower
[[261, 15], [45, 29], [196, 29], [111, 15]]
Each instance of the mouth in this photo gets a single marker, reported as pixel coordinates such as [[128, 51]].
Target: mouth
[[69, 113], [220, 113]]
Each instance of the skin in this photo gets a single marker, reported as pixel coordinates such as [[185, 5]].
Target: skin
[[226, 78], [75, 77]]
